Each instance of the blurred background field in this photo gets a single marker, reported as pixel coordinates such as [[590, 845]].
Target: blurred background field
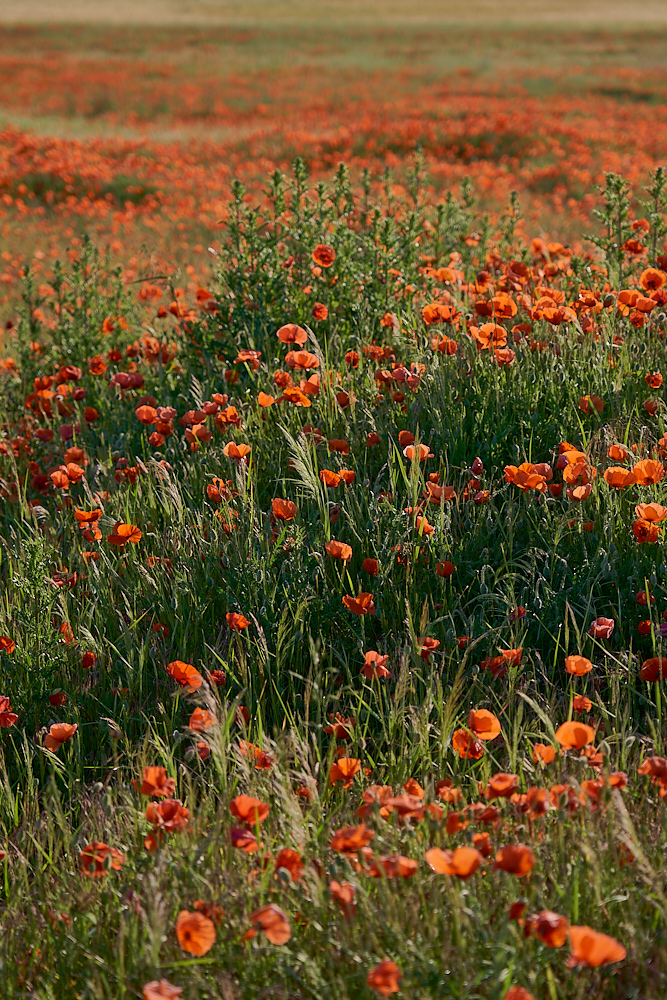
[[129, 121]]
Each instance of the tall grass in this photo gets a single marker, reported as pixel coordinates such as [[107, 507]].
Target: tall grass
[[531, 572]]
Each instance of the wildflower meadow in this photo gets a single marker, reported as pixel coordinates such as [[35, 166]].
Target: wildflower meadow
[[333, 480]]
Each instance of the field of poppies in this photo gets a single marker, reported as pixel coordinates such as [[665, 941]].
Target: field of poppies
[[333, 619]]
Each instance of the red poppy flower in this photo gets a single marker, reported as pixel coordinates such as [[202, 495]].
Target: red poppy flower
[[462, 862], [574, 735], [7, 717], [517, 859], [97, 859], [324, 255], [185, 674], [344, 770], [384, 978], [593, 949], [195, 932], [58, 734], [466, 746], [156, 783], [236, 621], [375, 666], [483, 724], [248, 809], [161, 989], [578, 665], [273, 923], [362, 604]]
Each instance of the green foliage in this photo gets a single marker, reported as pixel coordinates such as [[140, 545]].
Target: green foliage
[[211, 546]]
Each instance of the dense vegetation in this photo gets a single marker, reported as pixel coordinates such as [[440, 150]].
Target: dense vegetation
[[360, 543]]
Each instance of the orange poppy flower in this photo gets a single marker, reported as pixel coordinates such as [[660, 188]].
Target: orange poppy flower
[[578, 665], [124, 533], [283, 510], [294, 395], [244, 840], [462, 862], [646, 532], [376, 796], [618, 478], [617, 453], [516, 859], [490, 336], [273, 923], [323, 255], [550, 928], [427, 645], [351, 839], [501, 786], [263, 761], [248, 809], [466, 746], [525, 477], [339, 550], [329, 478], [290, 333], [654, 669], [435, 493], [161, 989], [236, 621], [589, 403], [340, 727], [97, 859], [385, 978], [155, 783], [302, 360], [482, 843], [651, 279], [169, 815], [362, 604], [456, 822], [340, 446], [574, 735], [393, 866], [185, 674], [146, 414], [543, 752], [370, 566], [648, 472], [87, 517], [483, 724], [9, 718], [201, 720], [195, 932], [589, 947], [7, 645], [518, 993], [290, 861], [580, 703], [344, 894], [344, 769], [656, 768], [265, 399], [375, 666], [445, 569], [653, 512], [422, 451], [58, 734], [238, 452]]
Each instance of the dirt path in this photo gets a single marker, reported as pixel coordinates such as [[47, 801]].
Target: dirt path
[[626, 14]]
